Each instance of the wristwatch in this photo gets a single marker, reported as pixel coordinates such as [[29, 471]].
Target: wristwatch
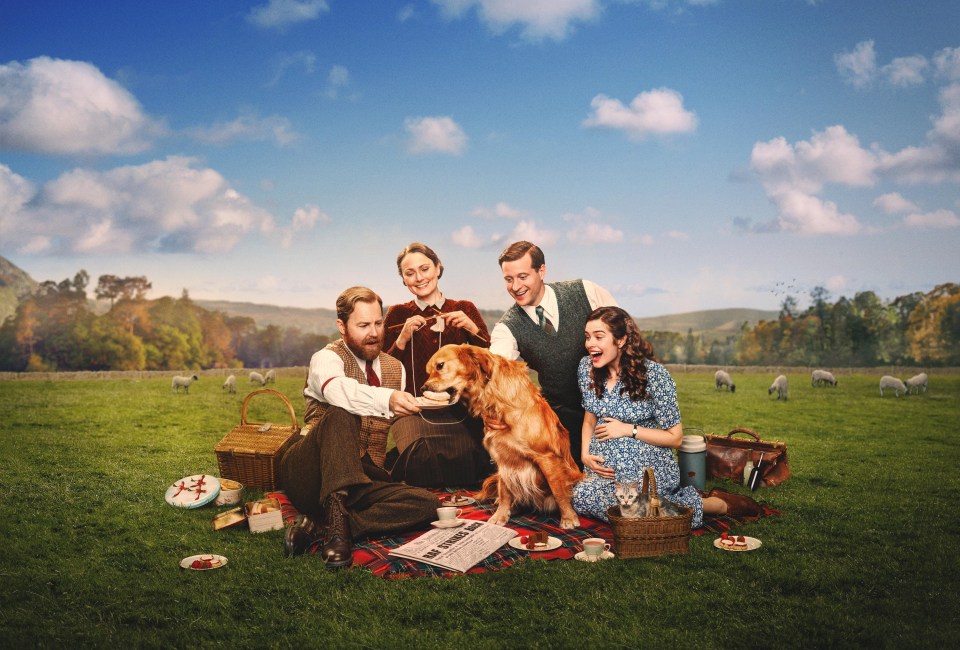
[[635, 432]]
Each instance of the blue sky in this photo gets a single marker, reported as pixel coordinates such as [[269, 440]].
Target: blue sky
[[685, 154]]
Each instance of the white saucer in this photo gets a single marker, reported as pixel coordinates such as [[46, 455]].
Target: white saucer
[[606, 555], [553, 543], [752, 544], [464, 501], [216, 560], [448, 523]]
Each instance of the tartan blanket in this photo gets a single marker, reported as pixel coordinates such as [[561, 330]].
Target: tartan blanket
[[372, 554]]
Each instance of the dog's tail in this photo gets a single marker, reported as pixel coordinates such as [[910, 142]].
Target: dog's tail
[[489, 489]]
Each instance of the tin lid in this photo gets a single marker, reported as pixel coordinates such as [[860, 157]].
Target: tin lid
[[693, 444], [193, 491]]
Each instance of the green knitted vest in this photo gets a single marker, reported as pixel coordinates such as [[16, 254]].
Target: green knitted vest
[[555, 357]]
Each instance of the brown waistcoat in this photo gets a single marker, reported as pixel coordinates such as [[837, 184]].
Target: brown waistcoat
[[373, 430]]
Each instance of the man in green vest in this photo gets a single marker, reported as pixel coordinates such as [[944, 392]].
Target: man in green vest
[[545, 328], [334, 474]]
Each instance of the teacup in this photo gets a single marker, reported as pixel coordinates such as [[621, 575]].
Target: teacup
[[448, 513], [595, 547]]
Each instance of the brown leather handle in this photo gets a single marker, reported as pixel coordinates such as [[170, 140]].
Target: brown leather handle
[[243, 411], [746, 431]]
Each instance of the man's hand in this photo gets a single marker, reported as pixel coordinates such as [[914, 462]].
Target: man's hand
[[403, 403]]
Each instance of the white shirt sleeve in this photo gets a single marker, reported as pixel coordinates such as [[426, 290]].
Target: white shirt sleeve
[[503, 343], [327, 382], [597, 296]]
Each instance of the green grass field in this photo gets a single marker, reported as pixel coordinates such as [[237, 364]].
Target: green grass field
[[865, 554]]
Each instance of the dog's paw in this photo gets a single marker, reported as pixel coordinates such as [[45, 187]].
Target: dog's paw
[[500, 518], [568, 523]]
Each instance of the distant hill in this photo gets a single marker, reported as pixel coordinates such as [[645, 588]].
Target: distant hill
[[15, 284], [316, 321], [713, 324]]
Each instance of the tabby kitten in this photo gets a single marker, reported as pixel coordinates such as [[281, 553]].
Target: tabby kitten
[[628, 496]]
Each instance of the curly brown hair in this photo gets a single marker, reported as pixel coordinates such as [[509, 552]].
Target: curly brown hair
[[633, 355]]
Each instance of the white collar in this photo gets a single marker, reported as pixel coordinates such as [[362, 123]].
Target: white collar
[[549, 304], [424, 305]]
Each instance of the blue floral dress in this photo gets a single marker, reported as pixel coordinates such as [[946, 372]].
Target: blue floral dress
[[630, 457]]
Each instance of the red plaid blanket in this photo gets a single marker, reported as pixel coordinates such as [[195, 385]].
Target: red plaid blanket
[[372, 554]]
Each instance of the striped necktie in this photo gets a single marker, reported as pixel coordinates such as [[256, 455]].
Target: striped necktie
[[545, 323]]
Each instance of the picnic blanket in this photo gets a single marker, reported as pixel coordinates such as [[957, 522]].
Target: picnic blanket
[[372, 554]]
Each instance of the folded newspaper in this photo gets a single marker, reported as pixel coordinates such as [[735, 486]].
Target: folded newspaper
[[456, 549]]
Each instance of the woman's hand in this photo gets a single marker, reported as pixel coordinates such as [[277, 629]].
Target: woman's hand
[[461, 320], [412, 325], [595, 463], [608, 429]]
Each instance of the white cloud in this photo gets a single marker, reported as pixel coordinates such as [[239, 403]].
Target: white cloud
[[656, 112], [303, 58], [836, 284], [939, 160], [466, 237], [280, 14], [435, 135], [947, 63], [858, 67], [905, 71], [893, 202], [247, 127], [338, 78], [405, 13], [678, 235], [304, 219], [58, 107], [499, 211], [166, 205], [938, 219], [530, 231], [539, 19], [646, 240], [588, 228]]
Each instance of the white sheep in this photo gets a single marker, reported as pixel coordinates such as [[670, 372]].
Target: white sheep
[[270, 376], [918, 382], [230, 384], [892, 383], [256, 377], [780, 385], [821, 377], [722, 378], [182, 382]]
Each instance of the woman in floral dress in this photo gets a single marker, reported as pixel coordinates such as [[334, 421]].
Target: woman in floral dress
[[633, 422]]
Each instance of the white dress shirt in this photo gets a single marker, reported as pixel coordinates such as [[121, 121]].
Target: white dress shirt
[[327, 382], [503, 342]]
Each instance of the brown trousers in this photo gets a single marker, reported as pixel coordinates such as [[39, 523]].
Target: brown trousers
[[328, 459]]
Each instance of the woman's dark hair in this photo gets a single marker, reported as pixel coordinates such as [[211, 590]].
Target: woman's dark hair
[[423, 249], [633, 356]]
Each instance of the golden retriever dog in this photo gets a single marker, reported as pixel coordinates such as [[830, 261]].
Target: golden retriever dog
[[531, 448]]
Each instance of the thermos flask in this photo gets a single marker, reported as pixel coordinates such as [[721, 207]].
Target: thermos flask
[[692, 458]]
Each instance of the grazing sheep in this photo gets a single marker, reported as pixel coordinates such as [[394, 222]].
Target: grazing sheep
[[780, 385], [230, 384], [182, 382], [256, 377], [270, 376], [892, 383], [722, 378], [821, 377], [918, 382]]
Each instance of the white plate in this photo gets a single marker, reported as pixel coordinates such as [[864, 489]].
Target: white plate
[[464, 501], [752, 544], [427, 404], [448, 523], [193, 491], [217, 560], [606, 555], [553, 543]]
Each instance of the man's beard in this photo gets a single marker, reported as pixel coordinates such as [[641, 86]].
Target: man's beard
[[367, 348]]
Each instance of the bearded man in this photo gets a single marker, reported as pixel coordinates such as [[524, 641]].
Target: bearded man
[[334, 474]]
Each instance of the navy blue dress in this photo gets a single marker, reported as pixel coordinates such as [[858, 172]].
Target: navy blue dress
[[630, 457]]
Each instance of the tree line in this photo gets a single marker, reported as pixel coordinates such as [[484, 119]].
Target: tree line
[[58, 329]]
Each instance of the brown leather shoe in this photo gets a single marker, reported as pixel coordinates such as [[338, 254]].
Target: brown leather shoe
[[299, 537], [737, 505], [337, 551]]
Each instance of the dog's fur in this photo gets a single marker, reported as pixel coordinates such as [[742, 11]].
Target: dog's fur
[[532, 450]]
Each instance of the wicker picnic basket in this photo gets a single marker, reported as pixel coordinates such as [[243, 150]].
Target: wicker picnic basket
[[652, 535], [251, 452]]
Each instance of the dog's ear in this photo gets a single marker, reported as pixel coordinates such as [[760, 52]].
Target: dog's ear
[[482, 359]]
